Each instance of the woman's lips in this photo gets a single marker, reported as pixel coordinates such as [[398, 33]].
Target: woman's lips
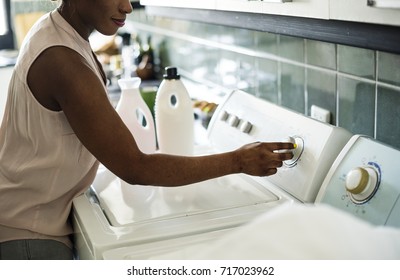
[[119, 22]]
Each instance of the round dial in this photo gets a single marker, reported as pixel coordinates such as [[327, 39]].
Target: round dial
[[361, 183], [297, 151]]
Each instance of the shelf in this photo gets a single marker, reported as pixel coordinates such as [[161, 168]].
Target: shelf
[[364, 35]]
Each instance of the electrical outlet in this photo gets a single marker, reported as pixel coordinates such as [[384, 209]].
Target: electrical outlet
[[320, 114]]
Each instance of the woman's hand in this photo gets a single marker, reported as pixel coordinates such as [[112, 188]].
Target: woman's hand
[[263, 159]]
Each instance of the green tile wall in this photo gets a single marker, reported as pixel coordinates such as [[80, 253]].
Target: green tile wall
[[360, 87], [29, 6]]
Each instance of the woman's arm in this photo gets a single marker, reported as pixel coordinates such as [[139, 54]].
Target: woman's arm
[[61, 79]]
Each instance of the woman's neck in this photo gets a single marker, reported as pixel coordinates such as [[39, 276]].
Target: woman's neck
[[68, 12]]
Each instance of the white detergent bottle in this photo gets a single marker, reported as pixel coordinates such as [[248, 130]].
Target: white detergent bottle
[[136, 114], [174, 117]]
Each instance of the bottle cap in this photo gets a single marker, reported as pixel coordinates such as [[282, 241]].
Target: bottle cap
[[171, 73]]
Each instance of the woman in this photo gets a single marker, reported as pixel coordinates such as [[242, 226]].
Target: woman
[[59, 124]]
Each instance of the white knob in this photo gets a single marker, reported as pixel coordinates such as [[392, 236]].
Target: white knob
[[289, 139], [233, 120], [361, 183], [245, 127], [224, 116], [297, 151]]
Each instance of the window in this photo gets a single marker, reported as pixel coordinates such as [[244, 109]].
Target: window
[[3, 18], [6, 34]]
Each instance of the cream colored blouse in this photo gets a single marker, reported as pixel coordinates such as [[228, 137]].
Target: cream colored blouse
[[43, 165]]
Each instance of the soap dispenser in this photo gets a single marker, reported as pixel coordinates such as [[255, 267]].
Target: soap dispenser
[[136, 115], [174, 116]]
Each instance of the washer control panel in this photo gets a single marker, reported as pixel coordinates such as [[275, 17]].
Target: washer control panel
[[364, 180], [242, 118]]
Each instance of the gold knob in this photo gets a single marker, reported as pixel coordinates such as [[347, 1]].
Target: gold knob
[[361, 183], [357, 180]]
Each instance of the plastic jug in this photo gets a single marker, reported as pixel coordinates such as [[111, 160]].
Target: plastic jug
[[174, 117], [136, 114]]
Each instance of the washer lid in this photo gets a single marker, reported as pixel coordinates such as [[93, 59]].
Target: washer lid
[[125, 204]]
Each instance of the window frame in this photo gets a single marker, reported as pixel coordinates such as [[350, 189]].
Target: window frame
[[7, 40]]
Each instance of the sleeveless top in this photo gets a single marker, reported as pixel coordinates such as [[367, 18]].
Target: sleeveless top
[[43, 165]]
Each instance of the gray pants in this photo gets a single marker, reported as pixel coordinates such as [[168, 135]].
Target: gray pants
[[35, 249]]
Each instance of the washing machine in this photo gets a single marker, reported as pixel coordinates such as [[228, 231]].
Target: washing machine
[[356, 216], [363, 181], [113, 215]]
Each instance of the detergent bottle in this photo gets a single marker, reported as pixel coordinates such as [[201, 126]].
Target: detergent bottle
[[136, 114], [174, 116]]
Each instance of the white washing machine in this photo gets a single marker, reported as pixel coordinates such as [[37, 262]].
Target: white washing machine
[[113, 214], [364, 181], [356, 216]]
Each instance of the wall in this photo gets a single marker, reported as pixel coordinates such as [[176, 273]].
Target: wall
[[360, 87], [25, 13]]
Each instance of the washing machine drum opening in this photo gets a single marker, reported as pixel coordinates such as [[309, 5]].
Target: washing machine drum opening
[[125, 204]]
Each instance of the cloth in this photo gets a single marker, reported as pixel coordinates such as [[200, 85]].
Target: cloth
[[39, 249], [301, 232], [43, 165]]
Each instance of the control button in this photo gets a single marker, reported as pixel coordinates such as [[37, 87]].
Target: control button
[[289, 139], [361, 183], [224, 116], [297, 151], [245, 127], [233, 120]]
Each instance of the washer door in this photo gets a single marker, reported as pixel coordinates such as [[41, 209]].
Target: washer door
[[125, 204]]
